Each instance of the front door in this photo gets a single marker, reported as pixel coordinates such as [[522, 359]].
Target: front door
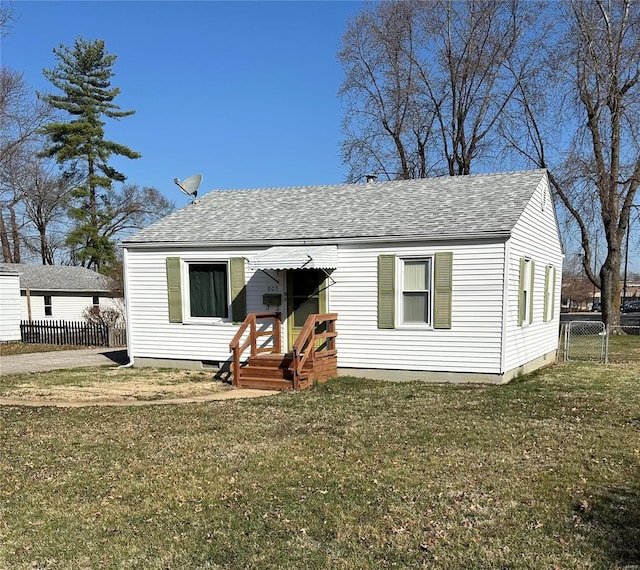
[[306, 295]]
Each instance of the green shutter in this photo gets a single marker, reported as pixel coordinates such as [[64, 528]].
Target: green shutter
[[553, 293], [547, 296], [174, 289], [442, 295], [533, 274], [238, 289], [386, 291], [521, 293]]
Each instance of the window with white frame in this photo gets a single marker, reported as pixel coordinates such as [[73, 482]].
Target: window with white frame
[[48, 306], [415, 302], [525, 304], [207, 288], [549, 293]]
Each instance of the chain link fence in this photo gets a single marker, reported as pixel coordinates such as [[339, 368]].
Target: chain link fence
[[590, 341], [585, 341], [624, 344]]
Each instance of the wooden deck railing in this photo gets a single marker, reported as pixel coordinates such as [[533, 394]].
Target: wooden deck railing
[[252, 339], [305, 346]]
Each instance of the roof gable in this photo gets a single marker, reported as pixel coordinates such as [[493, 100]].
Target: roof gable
[[440, 208]]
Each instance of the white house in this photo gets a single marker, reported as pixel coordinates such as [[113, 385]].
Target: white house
[[452, 278], [58, 292]]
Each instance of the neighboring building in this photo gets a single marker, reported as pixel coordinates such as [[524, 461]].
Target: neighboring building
[[633, 292], [9, 304], [59, 292], [452, 278], [583, 296]]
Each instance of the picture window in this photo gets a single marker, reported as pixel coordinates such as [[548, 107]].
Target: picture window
[[208, 295]]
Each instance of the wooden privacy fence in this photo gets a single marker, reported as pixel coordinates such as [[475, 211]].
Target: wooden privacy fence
[[72, 333]]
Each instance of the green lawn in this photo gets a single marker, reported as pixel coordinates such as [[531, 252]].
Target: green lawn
[[625, 347], [541, 473]]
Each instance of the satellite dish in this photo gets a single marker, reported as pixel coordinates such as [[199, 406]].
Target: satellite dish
[[190, 185]]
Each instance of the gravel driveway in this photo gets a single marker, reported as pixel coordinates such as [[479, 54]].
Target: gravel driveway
[[42, 361]]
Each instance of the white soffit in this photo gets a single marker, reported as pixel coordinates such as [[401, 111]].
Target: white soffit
[[296, 257]]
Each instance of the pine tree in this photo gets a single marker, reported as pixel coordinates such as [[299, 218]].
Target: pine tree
[[83, 75]]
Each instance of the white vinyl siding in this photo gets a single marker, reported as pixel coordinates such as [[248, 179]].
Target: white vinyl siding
[[9, 307], [472, 344], [535, 237], [153, 336]]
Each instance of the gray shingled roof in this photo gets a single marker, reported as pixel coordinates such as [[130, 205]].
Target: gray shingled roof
[[439, 208], [59, 278]]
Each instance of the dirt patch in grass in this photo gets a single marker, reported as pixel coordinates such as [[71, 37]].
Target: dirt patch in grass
[[103, 384]]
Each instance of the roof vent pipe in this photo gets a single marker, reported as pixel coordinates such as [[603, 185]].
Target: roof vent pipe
[[371, 177]]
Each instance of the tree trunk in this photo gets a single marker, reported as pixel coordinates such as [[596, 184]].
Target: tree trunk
[[4, 238], [610, 291], [15, 234], [43, 246]]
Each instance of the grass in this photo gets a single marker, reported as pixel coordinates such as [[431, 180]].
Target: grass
[[540, 473], [625, 347], [17, 347]]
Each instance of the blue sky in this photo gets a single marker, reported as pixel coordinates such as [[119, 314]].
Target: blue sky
[[244, 93]]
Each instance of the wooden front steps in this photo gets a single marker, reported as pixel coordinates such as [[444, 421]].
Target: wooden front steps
[[313, 359], [273, 372], [268, 372]]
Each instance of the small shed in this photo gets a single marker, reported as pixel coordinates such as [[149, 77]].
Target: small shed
[[451, 278], [60, 292]]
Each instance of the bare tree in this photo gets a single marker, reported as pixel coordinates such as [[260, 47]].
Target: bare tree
[[10, 229], [426, 83], [21, 115], [475, 52], [557, 82], [132, 208], [46, 198], [596, 175], [388, 124], [577, 290], [123, 211], [7, 17]]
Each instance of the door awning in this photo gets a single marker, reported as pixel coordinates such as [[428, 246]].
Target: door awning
[[296, 257]]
